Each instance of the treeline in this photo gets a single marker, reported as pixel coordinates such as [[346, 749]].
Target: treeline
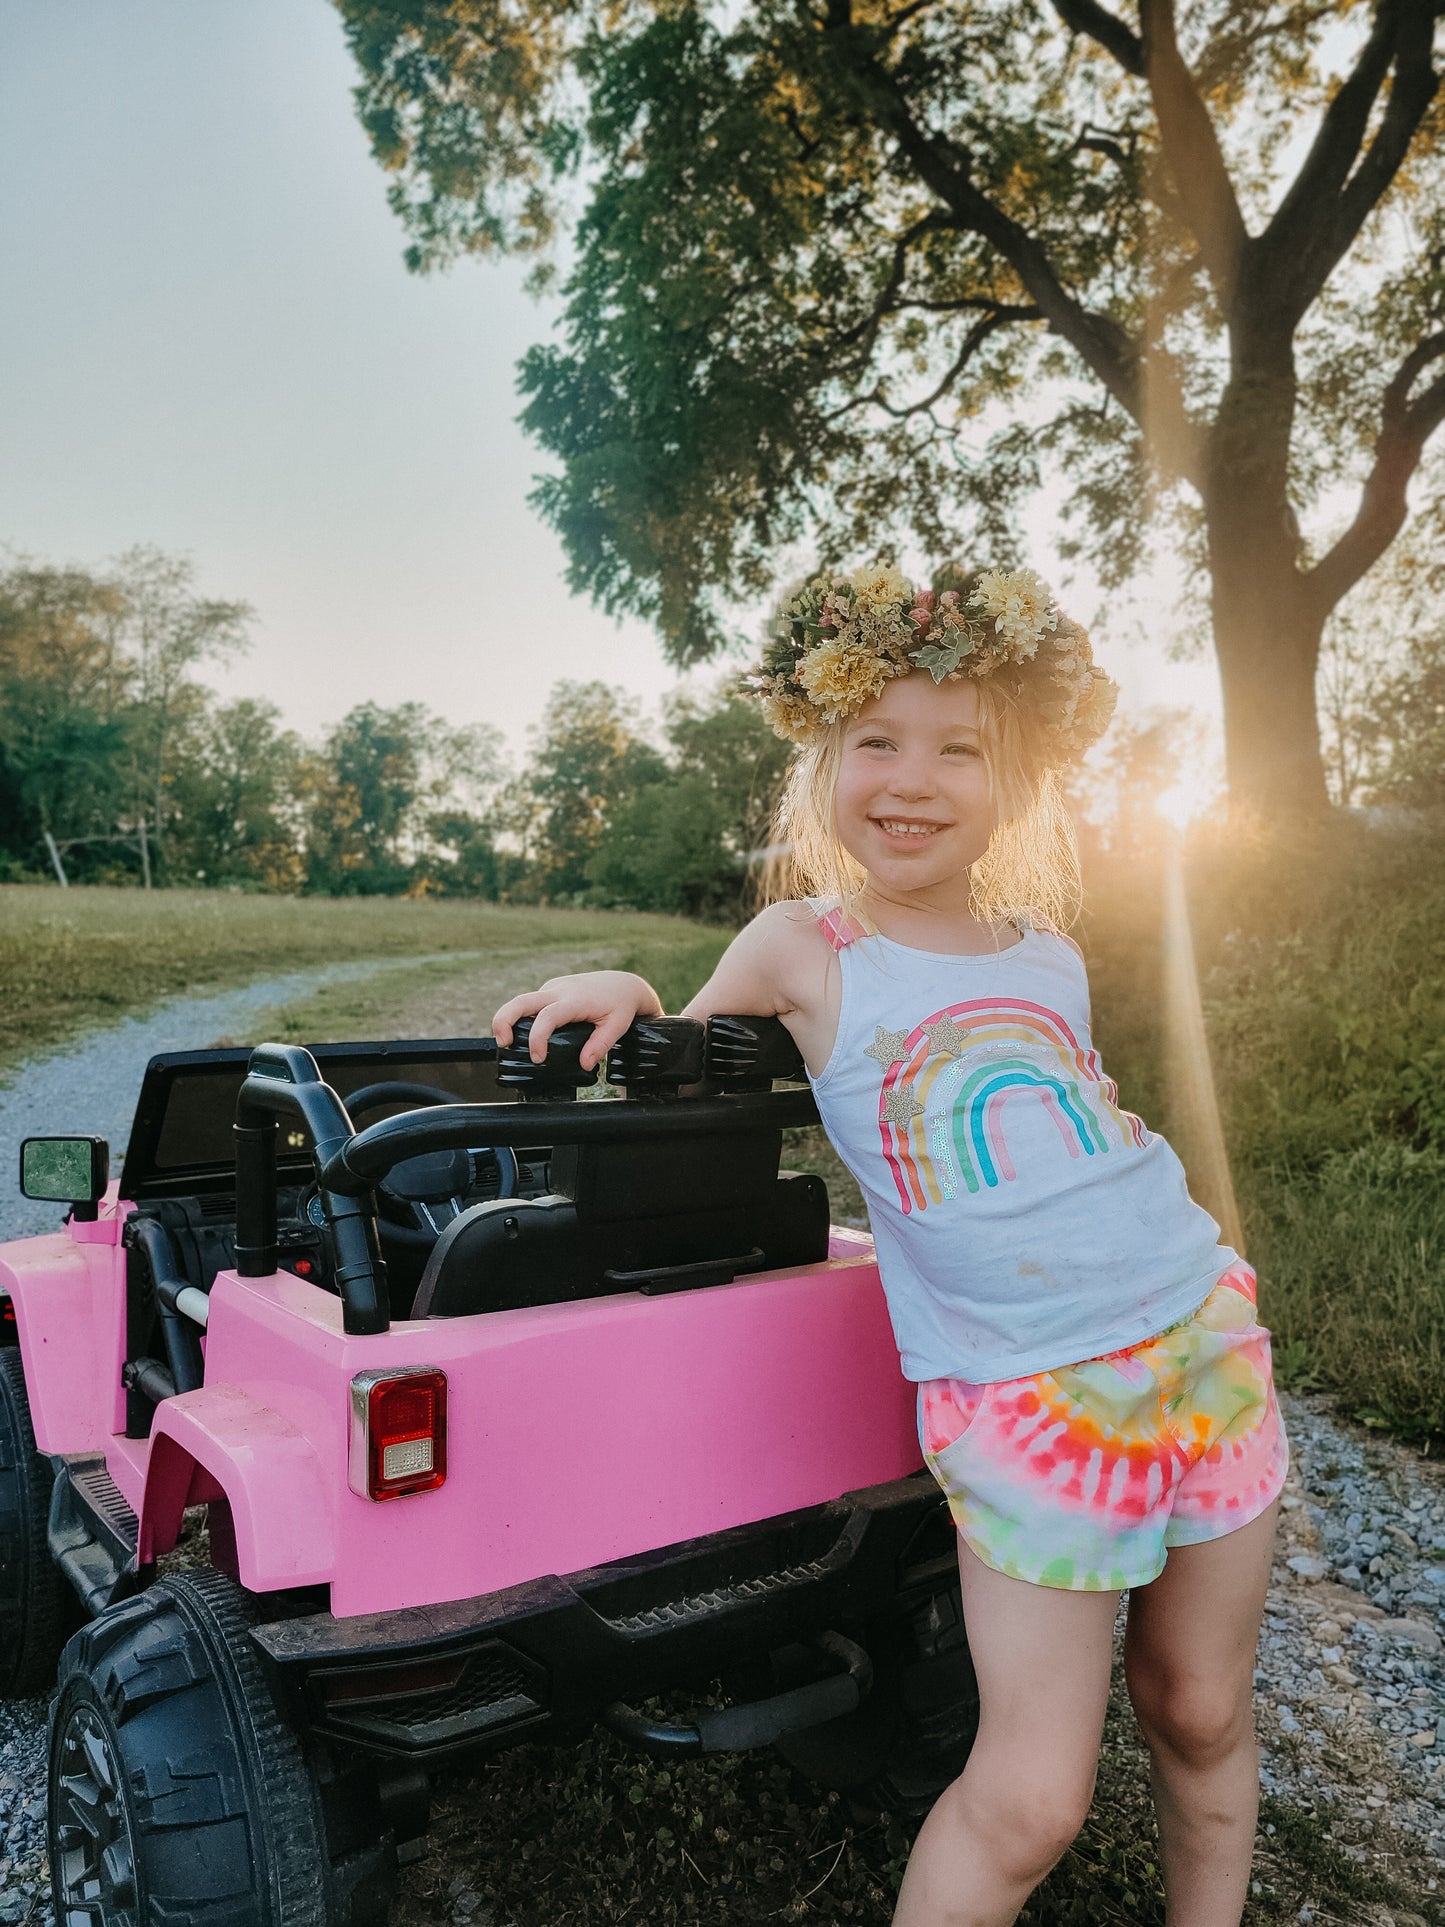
[[117, 759]]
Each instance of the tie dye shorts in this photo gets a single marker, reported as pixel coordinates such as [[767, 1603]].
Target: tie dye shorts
[[1084, 1477]]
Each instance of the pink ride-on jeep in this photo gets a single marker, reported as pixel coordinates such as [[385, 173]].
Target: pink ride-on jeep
[[507, 1413]]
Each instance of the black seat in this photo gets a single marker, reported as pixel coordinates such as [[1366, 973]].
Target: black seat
[[666, 1210], [651, 1236]]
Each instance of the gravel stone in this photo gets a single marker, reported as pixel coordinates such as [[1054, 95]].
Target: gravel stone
[[24, 1868], [1363, 1676]]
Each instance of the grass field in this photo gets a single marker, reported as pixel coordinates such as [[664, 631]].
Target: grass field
[[75, 958]]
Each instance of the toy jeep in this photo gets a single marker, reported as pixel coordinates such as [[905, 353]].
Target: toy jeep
[[507, 1413]]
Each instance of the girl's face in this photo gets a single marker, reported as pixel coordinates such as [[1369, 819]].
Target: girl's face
[[912, 803]]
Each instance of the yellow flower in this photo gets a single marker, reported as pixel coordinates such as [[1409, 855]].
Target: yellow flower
[[881, 588], [1020, 605], [791, 716], [841, 678]]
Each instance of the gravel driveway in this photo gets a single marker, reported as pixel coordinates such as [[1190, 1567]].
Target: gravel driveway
[[92, 1085]]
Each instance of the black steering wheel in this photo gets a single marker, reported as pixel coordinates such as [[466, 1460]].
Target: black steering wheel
[[433, 1186]]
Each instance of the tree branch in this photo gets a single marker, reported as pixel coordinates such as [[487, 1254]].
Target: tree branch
[[1191, 150], [1088, 17], [867, 329], [1101, 144], [1406, 425], [963, 304], [1001, 316], [905, 14], [945, 169], [1326, 205], [808, 144]]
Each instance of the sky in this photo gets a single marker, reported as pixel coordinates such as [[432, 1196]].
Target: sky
[[209, 343]]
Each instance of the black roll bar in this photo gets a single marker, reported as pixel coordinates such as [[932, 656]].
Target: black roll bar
[[284, 1080], [359, 1163], [182, 1341]]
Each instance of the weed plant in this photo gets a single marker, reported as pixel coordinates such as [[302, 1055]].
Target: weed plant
[[1321, 961]]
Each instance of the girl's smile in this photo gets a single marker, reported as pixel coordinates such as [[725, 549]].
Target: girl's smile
[[913, 802], [906, 826]]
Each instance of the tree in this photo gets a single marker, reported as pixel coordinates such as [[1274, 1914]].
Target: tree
[[1119, 790], [63, 692], [688, 842], [166, 632], [871, 269], [384, 781], [236, 798], [588, 761], [1410, 710], [1398, 721], [1354, 675], [727, 745]]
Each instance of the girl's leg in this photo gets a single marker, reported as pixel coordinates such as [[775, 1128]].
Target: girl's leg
[[1042, 1658], [1189, 1658]]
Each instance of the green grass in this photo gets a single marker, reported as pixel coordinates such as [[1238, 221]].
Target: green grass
[[72, 959], [1322, 968]]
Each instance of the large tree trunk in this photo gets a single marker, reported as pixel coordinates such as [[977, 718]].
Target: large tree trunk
[[1267, 658], [1266, 634]]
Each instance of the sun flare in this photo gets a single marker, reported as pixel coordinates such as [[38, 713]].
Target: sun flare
[[1192, 795]]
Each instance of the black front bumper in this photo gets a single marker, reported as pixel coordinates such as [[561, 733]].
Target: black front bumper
[[542, 1660]]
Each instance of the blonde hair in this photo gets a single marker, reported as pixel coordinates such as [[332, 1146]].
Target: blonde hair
[[1028, 875]]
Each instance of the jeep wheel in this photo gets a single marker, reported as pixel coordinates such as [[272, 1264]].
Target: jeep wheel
[[177, 1792], [912, 1734], [38, 1611]]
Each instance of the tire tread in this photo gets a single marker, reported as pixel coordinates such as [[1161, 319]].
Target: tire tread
[[206, 1756], [36, 1623]]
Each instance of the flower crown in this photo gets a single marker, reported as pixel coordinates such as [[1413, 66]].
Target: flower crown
[[836, 640]]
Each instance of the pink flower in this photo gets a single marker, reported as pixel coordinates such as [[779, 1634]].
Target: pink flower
[[921, 614]]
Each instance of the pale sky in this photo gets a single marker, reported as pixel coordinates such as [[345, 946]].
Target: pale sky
[[208, 342]]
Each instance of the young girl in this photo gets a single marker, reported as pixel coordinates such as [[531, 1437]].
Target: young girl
[[1093, 1388]]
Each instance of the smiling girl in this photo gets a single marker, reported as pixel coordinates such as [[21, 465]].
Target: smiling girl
[[1094, 1389]]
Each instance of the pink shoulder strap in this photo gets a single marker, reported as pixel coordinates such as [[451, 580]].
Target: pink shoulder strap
[[839, 925]]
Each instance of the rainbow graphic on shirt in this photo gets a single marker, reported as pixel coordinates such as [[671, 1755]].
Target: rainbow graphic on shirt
[[949, 1082]]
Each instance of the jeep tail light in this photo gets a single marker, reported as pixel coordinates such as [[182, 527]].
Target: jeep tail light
[[398, 1432]]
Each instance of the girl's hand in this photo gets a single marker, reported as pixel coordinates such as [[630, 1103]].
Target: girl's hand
[[606, 999]]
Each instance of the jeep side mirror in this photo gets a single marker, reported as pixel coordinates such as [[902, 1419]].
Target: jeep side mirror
[[66, 1170]]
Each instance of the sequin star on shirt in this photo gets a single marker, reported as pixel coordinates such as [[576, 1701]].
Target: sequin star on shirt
[[945, 1039], [889, 1047], [900, 1106]]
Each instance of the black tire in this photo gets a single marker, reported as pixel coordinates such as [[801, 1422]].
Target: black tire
[[38, 1610], [912, 1735], [177, 1791]]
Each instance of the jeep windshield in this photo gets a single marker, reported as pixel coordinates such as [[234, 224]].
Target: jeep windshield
[[181, 1140]]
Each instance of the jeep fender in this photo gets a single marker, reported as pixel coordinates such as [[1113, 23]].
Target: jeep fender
[[218, 1441], [68, 1303]]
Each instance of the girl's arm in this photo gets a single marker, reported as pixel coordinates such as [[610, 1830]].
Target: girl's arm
[[779, 966]]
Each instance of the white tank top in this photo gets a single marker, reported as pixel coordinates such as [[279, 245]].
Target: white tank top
[[1022, 1219]]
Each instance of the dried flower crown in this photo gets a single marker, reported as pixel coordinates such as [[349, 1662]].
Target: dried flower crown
[[836, 640]]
